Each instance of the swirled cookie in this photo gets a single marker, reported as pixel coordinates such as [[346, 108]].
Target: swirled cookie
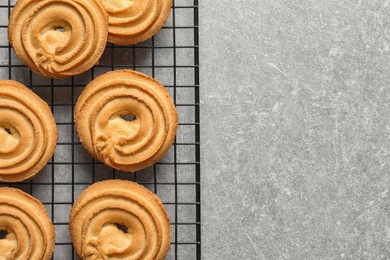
[[29, 231], [28, 132], [124, 143], [103, 208], [133, 21], [58, 38]]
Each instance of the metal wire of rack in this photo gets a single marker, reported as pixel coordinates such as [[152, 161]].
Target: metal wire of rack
[[172, 57]]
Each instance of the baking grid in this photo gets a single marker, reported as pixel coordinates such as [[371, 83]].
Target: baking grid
[[171, 57]]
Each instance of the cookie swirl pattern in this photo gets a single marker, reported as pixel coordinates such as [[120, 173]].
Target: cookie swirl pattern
[[127, 145], [101, 209], [30, 232], [133, 21], [28, 132], [58, 38]]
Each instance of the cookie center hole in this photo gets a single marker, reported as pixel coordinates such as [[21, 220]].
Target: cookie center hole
[[8, 129], [60, 28], [121, 227], [128, 117], [3, 234]]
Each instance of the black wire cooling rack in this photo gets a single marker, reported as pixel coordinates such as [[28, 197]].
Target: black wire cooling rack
[[172, 57]]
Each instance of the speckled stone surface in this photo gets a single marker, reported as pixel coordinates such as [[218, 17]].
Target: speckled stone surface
[[295, 129]]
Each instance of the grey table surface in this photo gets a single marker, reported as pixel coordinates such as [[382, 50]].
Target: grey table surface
[[295, 129]]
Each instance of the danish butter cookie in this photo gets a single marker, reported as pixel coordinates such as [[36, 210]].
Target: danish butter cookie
[[133, 21], [126, 119], [117, 219], [58, 38], [28, 132], [29, 231]]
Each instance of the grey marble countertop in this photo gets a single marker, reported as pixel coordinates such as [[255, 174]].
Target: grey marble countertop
[[295, 129]]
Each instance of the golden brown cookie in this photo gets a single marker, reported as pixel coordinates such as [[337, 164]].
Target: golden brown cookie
[[125, 144], [30, 232], [103, 208], [133, 21], [58, 38], [28, 132]]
